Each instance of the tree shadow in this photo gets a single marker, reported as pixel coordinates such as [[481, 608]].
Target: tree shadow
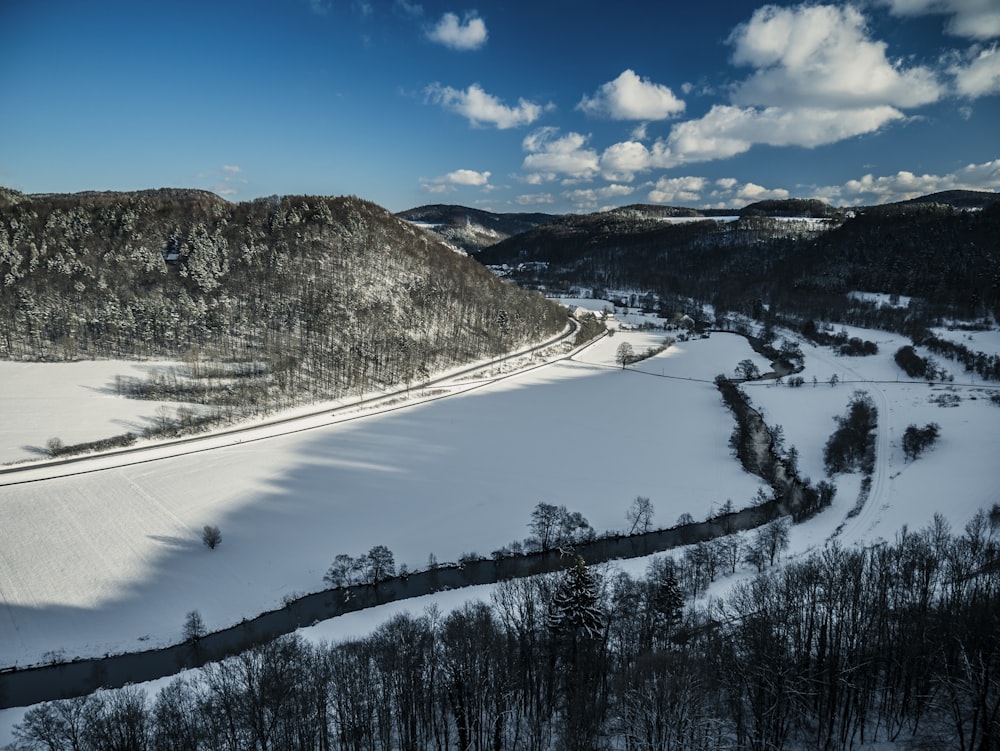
[[36, 450]]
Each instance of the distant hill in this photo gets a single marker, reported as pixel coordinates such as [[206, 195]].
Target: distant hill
[[778, 254], [791, 207], [960, 199], [472, 229], [322, 295]]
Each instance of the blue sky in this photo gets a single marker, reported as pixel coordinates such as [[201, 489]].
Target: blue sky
[[548, 106]]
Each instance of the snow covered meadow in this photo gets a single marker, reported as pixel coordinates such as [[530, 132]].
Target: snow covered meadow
[[111, 560]]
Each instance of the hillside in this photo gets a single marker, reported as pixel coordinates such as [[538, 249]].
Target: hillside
[[316, 297], [472, 229], [801, 266]]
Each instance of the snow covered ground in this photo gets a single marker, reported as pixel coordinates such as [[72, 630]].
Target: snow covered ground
[[111, 561], [73, 401]]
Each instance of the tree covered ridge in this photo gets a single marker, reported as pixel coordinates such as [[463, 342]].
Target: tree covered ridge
[[949, 259], [329, 294]]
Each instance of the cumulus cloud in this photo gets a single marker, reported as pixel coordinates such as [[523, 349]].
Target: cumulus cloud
[[822, 56], [453, 180], [819, 78], [725, 192], [551, 155], [536, 198], [905, 185], [482, 108], [591, 198], [621, 161], [630, 97], [751, 192], [678, 189], [467, 34], [725, 131], [979, 75], [972, 19]]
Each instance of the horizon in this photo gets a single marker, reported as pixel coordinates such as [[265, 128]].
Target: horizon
[[409, 104]]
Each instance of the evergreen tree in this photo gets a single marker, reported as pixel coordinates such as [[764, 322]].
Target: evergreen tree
[[575, 608], [666, 599]]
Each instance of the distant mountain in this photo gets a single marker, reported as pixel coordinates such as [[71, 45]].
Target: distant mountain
[[321, 295], [777, 254], [472, 230], [960, 199]]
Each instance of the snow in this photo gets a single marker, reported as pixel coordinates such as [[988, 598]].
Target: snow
[[73, 401], [977, 341], [111, 560], [881, 299]]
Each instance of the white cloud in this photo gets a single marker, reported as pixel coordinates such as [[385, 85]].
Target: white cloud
[[819, 79], [973, 19], [678, 189], [724, 192], [468, 34], [480, 107], [751, 192], [590, 198], [905, 185], [726, 131], [822, 56], [629, 97], [980, 76], [537, 198], [551, 155], [460, 177], [231, 169], [621, 161]]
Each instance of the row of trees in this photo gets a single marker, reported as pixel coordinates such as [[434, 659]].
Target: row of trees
[[890, 644]]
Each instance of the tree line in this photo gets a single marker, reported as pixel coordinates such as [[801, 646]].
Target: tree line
[[893, 643]]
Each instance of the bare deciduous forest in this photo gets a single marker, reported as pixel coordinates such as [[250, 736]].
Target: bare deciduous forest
[[895, 642]]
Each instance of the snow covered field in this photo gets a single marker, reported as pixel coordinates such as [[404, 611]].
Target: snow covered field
[[111, 561], [73, 401]]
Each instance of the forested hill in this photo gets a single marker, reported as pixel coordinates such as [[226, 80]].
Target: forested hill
[[322, 295], [947, 257], [472, 229]]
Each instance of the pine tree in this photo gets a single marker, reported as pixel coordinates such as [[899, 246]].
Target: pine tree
[[667, 601], [574, 608]]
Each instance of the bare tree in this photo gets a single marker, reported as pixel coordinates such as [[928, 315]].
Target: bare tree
[[747, 370], [211, 536], [194, 626], [640, 514], [624, 355], [381, 564]]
